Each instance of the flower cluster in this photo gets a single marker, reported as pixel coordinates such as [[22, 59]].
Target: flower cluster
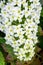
[[19, 20]]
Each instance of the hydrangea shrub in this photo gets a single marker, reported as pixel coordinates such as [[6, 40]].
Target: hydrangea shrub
[[19, 21]]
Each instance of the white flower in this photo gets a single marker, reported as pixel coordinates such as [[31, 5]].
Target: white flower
[[27, 13], [31, 0], [1, 4], [2, 27], [4, 13], [8, 7], [6, 22], [21, 26]]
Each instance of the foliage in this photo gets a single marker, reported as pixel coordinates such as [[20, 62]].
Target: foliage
[[2, 40], [2, 60], [40, 37]]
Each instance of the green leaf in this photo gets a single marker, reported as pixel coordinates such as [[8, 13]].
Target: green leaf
[[22, 8], [39, 30], [2, 60], [42, 12], [2, 34], [13, 63], [2, 40], [40, 42], [15, 22], [41, 1], [41, 22], [9, 49]]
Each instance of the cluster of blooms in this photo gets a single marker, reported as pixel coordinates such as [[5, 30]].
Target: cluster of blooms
[[19, 20]]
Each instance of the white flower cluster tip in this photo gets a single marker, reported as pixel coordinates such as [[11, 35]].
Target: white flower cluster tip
[[19, 20]]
